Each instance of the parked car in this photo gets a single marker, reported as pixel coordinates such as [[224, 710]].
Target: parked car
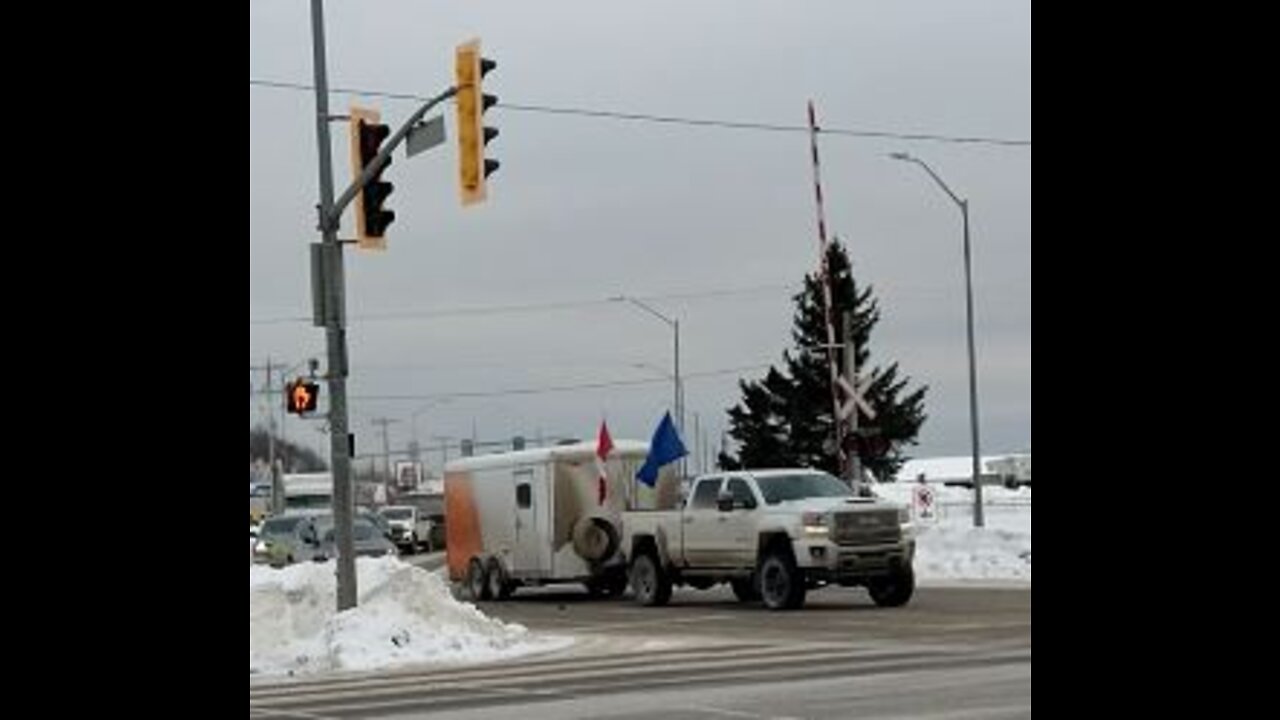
[[287, 539], [377, 519], [369, 540]]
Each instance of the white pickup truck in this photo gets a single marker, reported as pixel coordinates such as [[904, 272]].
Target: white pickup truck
[[772, 535], [410, 527]]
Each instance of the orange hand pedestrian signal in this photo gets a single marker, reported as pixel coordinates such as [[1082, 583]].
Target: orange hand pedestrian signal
[[301, 397]]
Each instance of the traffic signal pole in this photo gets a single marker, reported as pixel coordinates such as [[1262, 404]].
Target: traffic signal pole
[[334, 304], [329, 300]]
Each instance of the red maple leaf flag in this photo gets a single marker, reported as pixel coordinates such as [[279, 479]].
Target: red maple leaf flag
[[604, 444]]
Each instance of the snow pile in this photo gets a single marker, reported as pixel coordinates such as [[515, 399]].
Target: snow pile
[[966, 553], [948, 547], [406, 616]]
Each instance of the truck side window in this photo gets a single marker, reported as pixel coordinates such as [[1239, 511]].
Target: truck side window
[[704, 495], [742, 497], [524, 495]]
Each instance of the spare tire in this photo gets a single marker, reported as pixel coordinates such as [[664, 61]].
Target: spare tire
[[595, 538]]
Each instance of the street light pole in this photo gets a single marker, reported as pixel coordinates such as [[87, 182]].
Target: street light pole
[[678, 391], [978, 519]]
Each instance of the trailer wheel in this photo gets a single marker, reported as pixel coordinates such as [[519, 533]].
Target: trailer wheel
[[499, 585], [651, 583], [477, 580]]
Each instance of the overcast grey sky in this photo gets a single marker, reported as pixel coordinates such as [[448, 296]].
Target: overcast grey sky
[[584, 209]]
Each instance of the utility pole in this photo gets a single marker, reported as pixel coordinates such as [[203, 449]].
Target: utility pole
[[386, 445], [271, 420], [853, 463], [698, 467]]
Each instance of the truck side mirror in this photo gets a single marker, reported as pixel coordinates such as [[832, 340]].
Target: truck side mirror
[[724, 501]]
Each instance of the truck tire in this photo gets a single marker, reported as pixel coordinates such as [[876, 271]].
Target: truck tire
[[781, 582], [477, 580], [498, 582], [413, 544], [745, 589], [895, 590], [650, 582]]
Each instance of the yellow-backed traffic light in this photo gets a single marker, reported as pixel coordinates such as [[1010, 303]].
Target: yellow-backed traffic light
[[372, 219], [301, 397], [473, 166]]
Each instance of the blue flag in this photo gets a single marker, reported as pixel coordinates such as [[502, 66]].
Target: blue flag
[[664, 448]]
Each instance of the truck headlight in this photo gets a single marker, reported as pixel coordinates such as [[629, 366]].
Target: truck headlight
[[815, 524], [904, 515]]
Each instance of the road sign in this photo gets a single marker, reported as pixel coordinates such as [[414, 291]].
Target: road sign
[[425, 135], [852, 397], [923, 501]]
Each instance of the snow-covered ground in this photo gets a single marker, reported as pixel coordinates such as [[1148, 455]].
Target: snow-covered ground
[[949, 548], [406, 616]]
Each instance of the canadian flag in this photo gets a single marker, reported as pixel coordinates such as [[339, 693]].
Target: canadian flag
[[604, 445]]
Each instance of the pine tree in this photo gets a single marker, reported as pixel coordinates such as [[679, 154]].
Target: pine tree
[[785, 420]]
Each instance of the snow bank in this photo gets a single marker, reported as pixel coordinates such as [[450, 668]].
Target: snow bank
[[950, 548], [966, 553], [406, 616]]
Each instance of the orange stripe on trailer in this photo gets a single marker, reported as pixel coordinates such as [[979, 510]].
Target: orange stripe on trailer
[[462, 524]]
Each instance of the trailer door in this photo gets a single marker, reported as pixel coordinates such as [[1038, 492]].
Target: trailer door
[[532, 556]]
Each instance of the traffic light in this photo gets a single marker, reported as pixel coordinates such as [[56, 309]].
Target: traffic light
[[372, 218], [473, 167], [301, 397]]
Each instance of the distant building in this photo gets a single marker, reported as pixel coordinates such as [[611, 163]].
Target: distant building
[[1012, 469]]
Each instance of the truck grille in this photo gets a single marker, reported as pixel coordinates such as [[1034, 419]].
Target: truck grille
[[867, 528]]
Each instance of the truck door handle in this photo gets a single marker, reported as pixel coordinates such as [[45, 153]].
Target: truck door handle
[[722, 518], [688, 520]]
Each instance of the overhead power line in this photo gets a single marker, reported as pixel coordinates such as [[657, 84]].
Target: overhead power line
[[552, 388], [527, 307], [724, 124]]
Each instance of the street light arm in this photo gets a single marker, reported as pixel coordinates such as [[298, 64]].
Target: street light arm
[[912, 159], [645, 307]]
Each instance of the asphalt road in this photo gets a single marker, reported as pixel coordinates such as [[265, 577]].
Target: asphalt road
[[952, 653]]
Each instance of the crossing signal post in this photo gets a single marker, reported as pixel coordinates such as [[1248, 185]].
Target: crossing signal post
[[473, 167], [372, 217]]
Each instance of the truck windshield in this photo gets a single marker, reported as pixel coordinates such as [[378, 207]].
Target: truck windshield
[[398, 514], [781, 488]]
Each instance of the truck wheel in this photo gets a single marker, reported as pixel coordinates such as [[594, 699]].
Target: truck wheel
[[499, 584], [781, 583], [413, 544], [651, 584], [894, 590], [745, 589], [477, 580]]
